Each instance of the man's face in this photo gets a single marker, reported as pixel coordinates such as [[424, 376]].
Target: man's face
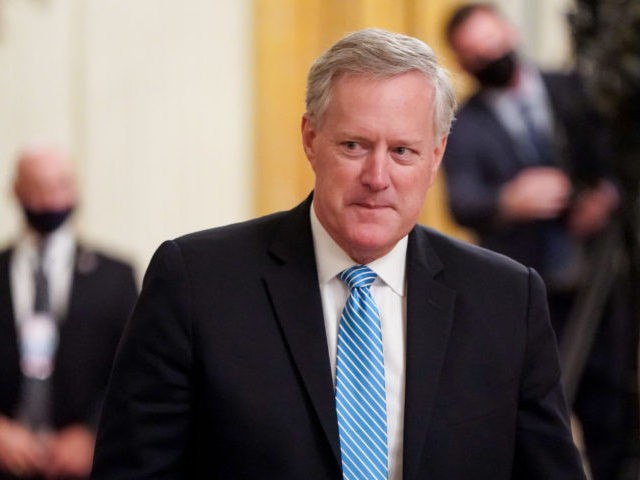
[[482, 38], [374, 155], [45, 182]]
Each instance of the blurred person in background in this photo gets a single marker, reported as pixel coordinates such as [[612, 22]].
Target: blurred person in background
[[524, 172], [62, 309]]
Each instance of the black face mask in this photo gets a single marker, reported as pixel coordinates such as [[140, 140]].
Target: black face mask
[[497, 73], [47, 221]]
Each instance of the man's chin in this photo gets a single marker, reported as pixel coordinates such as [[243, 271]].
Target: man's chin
[[369, 242]]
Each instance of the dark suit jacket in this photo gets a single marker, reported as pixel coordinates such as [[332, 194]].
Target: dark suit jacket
[[224, 373], [481, 157], [103, 293]]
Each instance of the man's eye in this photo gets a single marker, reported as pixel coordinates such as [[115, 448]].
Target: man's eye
[[352, 147], [404, 155]]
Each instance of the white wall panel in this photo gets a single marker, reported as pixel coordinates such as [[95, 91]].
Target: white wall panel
[[153, 97], [35, 74], [167, 101]]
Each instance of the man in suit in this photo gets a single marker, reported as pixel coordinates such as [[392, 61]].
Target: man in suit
[[62, 310], [522, 161], [524, 173], [255, 352]]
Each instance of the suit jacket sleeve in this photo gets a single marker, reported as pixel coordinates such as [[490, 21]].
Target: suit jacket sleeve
[[475, 148], [111, 304], [544, 447], [145, 421]]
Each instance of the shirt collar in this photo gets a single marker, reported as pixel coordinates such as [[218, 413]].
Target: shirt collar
[[61, 241], [331, 259]]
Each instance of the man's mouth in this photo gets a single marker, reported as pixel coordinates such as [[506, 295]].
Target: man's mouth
[[371, 206]]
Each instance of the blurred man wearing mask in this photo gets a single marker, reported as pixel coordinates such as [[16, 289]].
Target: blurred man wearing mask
[[62, 309], [524, 172]]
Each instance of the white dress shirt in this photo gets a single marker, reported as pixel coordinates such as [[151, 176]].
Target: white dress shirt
[[388, 291], [58, 261]]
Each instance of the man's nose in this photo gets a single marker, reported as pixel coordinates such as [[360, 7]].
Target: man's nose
[[375, 170]]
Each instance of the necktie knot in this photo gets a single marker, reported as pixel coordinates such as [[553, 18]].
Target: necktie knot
[[358, 276]]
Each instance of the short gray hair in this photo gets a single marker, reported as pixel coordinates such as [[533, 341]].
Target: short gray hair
[[380, 54]]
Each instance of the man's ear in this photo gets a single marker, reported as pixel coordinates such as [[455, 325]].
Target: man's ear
[[308, 130], [438, 153]]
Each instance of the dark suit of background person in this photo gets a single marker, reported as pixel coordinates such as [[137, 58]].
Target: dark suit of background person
[[224, 370], [100, 297], [487, 168]]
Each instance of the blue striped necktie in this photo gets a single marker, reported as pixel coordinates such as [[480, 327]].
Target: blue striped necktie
[[360, 386]]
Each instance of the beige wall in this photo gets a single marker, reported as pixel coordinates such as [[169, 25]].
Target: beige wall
[[35, 77], [154, 99]]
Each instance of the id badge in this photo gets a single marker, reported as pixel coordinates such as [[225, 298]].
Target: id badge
[[38, 344]]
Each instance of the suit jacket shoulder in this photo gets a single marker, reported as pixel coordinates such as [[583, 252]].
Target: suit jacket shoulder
[[230, 240], [460, 258]]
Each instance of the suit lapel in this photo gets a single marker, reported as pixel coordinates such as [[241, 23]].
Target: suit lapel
[[85, 262], [292, 282], [77, 292], [429, 319], [516, 157]]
